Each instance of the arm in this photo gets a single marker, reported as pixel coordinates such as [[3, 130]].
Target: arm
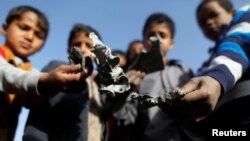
[[63, 78], [14, 80], [231, 57], [226, 68]]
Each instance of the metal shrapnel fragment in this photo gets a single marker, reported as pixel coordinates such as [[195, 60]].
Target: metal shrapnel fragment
[[146, 101], [113, 80], [174, 95], [76, 57], [150, 61]]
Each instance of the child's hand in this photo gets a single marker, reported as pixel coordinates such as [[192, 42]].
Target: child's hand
[[135, 77], [202, 94], [66, 78]]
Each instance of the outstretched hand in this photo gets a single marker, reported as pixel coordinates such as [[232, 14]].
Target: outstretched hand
[[135, 77], [202, 94], [66, 78]]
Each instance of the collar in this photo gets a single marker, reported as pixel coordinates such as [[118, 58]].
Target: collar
[[16, 61]]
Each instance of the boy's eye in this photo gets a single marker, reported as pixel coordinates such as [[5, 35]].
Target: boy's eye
[[206, 17], [40, 35], [162, 35], [23, 27], [212, 15], [77, 44], [88, 45]]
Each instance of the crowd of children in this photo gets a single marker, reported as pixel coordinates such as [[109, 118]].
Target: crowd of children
[[65, 104]]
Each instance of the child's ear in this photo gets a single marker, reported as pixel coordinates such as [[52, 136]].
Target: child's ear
[[171, 44], [4, 29]]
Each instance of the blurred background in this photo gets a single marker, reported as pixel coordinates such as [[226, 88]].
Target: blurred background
[[118, 22]]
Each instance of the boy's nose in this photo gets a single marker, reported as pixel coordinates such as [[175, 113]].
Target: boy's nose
[[29, 35], [209, 22]]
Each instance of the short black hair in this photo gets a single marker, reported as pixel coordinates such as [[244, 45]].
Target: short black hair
[[131, 44], [80, 28], [226, 4], [134, 42], [17, 12], [159, 18], [117, 51]]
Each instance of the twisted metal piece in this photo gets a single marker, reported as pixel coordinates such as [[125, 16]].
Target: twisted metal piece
[[146, 101], [76, 57], [150, 61], [113, 80]]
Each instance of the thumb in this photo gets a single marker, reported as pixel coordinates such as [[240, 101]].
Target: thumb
[[190, 86]]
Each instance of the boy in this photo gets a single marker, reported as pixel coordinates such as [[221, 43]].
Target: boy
[[174, 74], [133, 51], [25, 30], [231, 42], [221, 91], [68, 117], [154, 124]]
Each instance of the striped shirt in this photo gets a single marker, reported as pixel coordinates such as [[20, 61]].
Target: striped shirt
[[230, 59]]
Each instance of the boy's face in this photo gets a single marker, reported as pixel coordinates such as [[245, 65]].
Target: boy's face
[[23, 35], [82, 41], [135, 50], [161, 30], [212, 17]]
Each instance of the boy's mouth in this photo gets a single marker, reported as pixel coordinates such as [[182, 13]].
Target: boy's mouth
[[213, 29], [25, 45]]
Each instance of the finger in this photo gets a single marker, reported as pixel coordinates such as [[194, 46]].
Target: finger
[[71, 77], [132, 78], [140, 74], [190, 86], [137, 81], [137, 73], [196, 106], [143, 74], [130, 73], [70, 68], [76, 68], [194, 97]]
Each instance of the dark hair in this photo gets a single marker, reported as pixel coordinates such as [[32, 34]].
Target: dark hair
[[226, 4], [116, 51], [134, 42], [130, 46], [17, 12], [159, 18], [80, 28]]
